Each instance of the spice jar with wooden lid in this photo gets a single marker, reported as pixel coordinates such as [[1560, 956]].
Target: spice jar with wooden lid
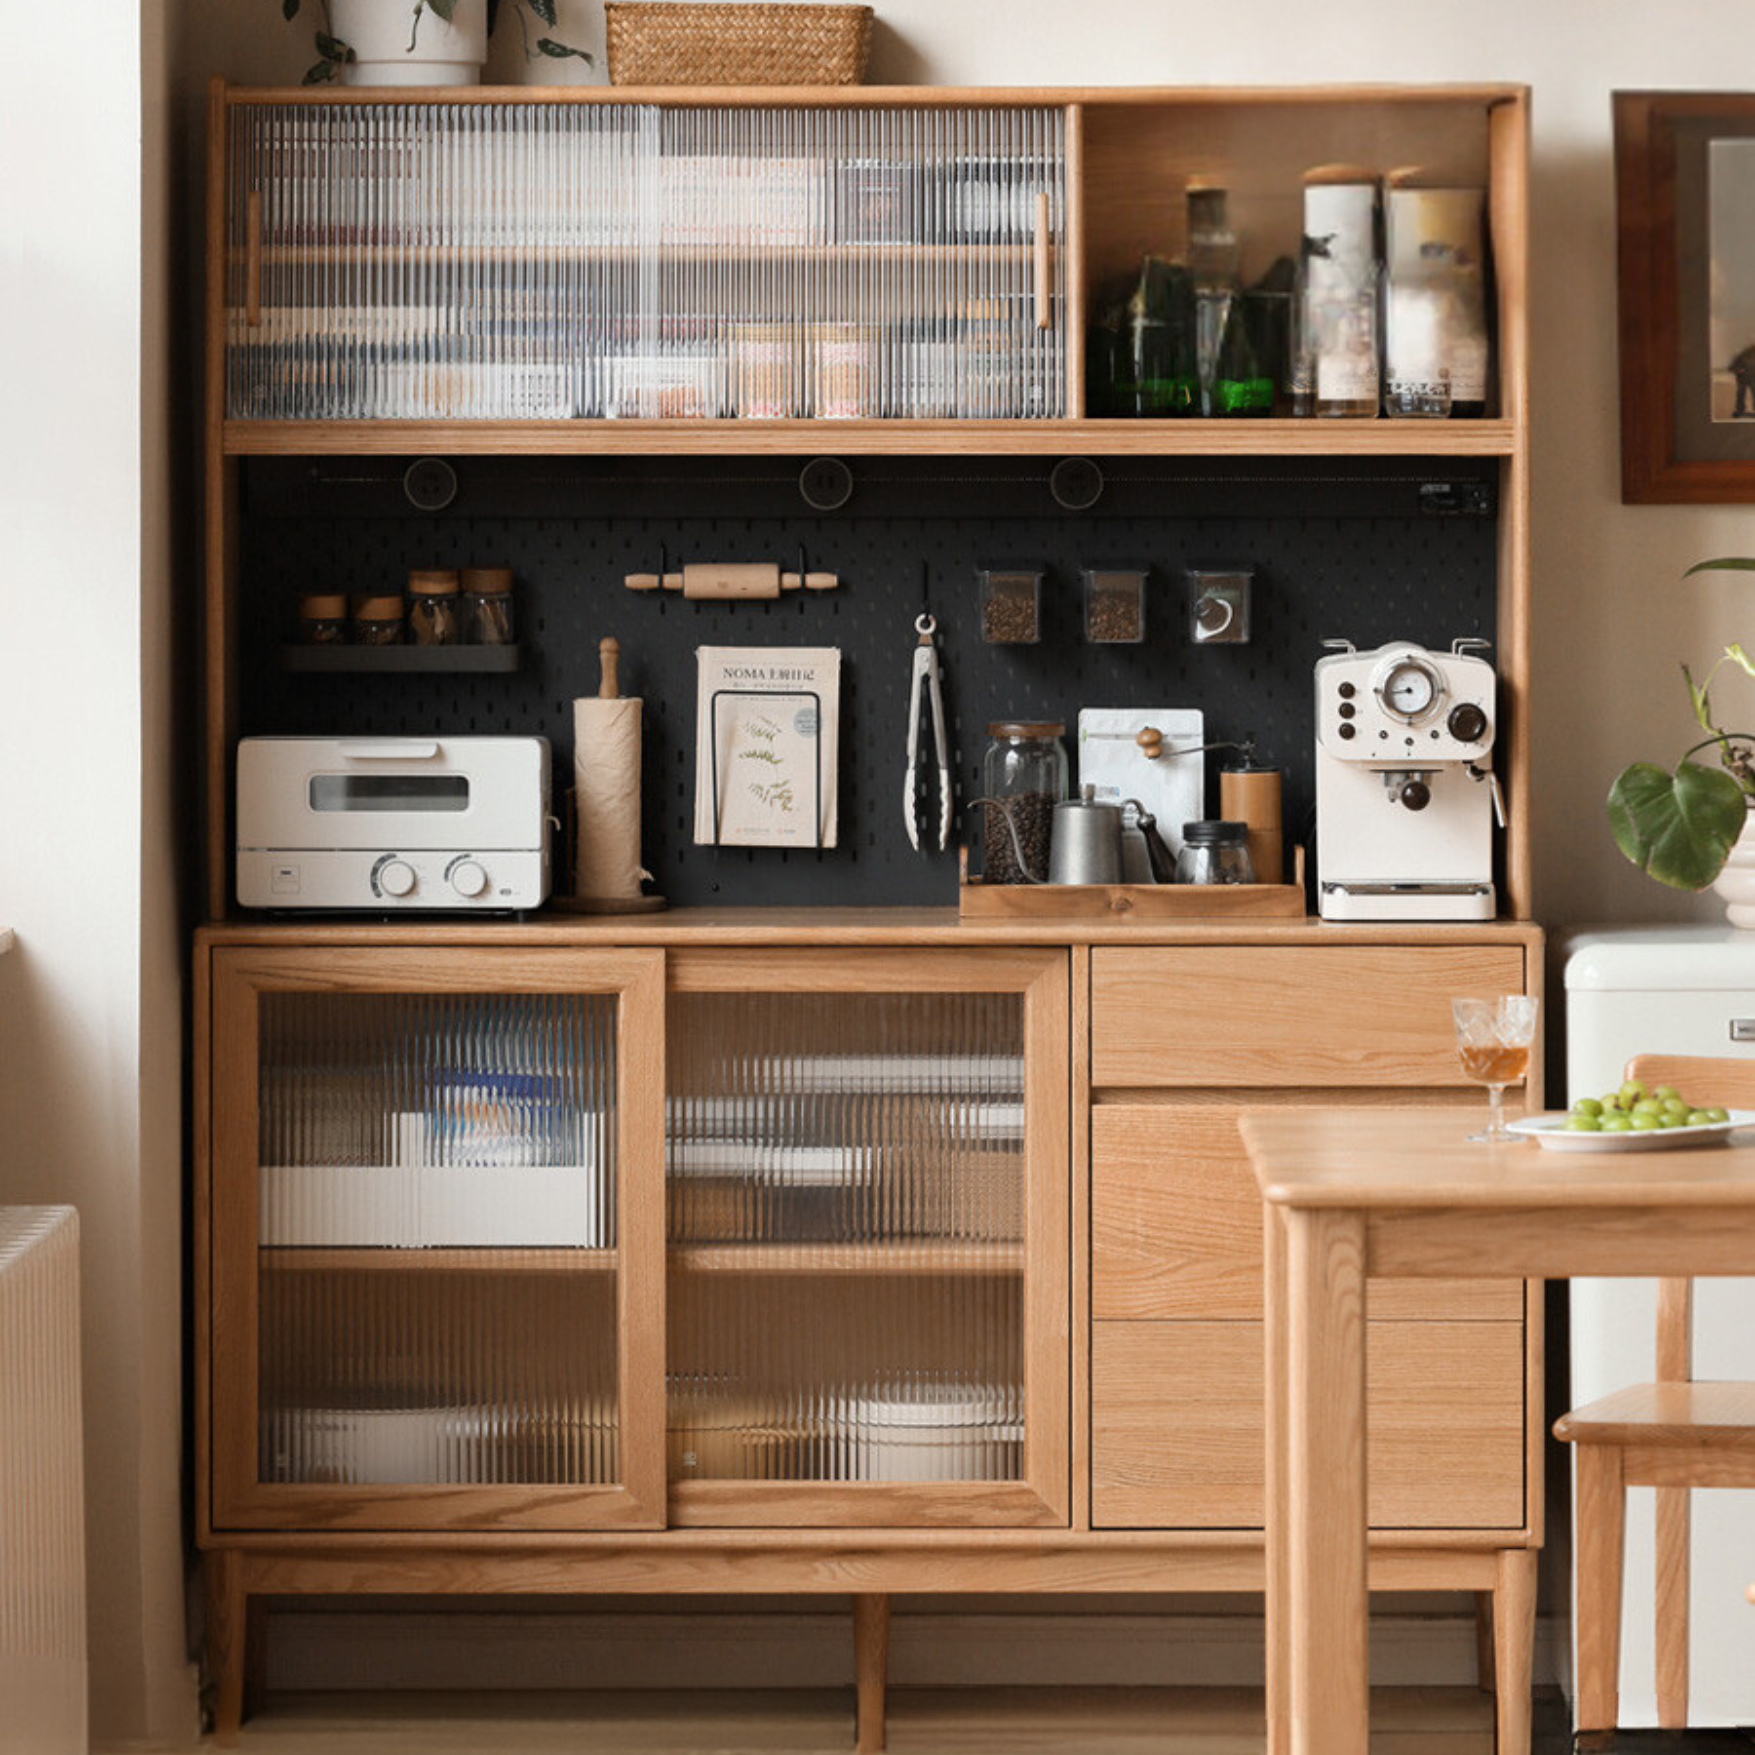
[[488, 618], [434, 613], [322, 619], [377, 620]]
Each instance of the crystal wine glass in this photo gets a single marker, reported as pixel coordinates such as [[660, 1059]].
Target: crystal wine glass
[[1494, 1038]]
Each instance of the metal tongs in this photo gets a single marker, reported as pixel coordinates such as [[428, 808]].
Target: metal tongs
[[926, 672]]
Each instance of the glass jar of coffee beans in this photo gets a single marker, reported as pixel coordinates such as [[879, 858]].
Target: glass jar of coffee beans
[[1025, 769]]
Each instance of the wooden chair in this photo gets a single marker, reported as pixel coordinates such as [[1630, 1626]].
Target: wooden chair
[[1673, 1435]]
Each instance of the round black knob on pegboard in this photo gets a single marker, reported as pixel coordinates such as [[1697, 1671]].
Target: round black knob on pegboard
[[826, 484], [430, 483], [1076, 483]]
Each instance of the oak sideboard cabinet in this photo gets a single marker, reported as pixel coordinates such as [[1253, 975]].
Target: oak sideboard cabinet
[[837, 1249], [755, 1252]]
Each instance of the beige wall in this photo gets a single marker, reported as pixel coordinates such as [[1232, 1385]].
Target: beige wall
[[94, 484], [90, 1001]]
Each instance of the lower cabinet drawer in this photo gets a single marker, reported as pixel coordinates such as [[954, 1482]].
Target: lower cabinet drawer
[[1176, 1425], [1290, 1015], [1176, 1222]]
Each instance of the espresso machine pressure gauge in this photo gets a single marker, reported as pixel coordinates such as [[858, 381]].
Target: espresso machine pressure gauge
[[1408, 687]]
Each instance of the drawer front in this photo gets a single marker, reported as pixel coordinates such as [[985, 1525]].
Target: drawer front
[[1176, 1223], [1287, 1016], [1176, 1425]]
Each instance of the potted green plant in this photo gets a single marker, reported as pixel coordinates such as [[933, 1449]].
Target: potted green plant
[[1691, 828], [393, 42]]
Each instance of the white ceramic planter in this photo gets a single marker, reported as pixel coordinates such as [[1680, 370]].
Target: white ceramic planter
[[1736, 883], [378, 32]]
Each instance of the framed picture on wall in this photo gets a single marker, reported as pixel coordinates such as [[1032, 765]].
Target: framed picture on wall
[[1685, 206]]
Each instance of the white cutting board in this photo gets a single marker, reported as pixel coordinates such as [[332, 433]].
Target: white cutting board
[[1172, 788]]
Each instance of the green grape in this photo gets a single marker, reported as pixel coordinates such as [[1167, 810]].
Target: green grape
[[1665, 1092], [1587, 1106], [1632, 1092], [1674, 1105], [1719, 1114], [1617, 1123], [1699, 1118], [1583, 1124], [1648, 1106], [1645, 1123], [1670, 1118], [1612, 1102]]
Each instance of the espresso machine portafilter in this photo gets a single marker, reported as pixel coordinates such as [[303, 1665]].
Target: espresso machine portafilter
[[1406, 797]]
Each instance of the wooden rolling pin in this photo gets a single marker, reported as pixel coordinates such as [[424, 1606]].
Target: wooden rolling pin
[[729, 580]]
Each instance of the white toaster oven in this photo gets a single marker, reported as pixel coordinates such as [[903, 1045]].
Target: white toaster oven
[[458, 823]]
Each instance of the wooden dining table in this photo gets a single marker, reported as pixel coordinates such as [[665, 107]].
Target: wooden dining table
[[1352, 1194]]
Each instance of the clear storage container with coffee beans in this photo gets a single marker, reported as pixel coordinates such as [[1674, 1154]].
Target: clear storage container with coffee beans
[[1025, 772]]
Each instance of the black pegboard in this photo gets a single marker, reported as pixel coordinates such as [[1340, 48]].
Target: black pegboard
[[1339, 549]]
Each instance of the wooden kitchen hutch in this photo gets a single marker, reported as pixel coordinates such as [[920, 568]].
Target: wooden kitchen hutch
[[889, 1251]]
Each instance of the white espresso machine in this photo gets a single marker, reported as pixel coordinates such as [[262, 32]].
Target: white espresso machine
[[1406, 797]]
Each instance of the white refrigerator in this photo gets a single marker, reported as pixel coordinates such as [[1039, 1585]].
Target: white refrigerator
[[1669, 990]]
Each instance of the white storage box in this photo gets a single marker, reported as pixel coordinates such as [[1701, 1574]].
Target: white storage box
[[430, 1206]]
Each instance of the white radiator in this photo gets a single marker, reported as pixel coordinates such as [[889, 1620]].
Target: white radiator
[[42, 1499]]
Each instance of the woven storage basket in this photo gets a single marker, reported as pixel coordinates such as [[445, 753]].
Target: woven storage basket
[[669, 42]]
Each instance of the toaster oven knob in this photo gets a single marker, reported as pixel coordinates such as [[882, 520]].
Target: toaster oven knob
[[396, 877], [468, 878]]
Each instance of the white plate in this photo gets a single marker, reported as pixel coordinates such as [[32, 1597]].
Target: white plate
[[1549, 1131]]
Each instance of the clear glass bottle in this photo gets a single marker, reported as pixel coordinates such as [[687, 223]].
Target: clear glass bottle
[[1214, 852], [1336, 346], [1232, 381], [1025, 768], [1212, 266]]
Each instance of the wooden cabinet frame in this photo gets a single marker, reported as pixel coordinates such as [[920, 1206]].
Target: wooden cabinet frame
[[1114, 137], [856, 1540], [227, 1209], [1042, 1495]]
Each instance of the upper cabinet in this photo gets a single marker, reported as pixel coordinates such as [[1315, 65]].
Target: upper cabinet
[[909, 269], [627, 261]]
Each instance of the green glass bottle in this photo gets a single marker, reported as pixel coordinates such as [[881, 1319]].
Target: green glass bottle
[[1243, 384], [1161, 324]]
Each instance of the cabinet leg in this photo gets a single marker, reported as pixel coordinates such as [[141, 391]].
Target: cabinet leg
[[871, 1665], [1484, 1641], [227, 1643], [255, 1654], [1514, 1637]]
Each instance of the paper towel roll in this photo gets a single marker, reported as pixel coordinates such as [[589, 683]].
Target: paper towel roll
[[606, 784]]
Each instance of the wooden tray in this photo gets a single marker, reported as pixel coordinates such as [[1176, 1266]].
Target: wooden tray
[[979, 901]]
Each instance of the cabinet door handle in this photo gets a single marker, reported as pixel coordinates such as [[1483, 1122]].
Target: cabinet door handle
[[253, 259], [1044, 274], [1743, 1029]]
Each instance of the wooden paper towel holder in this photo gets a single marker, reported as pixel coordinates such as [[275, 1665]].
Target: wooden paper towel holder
[[609, 689]]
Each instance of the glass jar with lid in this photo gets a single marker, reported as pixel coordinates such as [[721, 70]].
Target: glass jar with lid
[[1025, 770], [377, 619], [323, 619], [1215, 852], [433, 608], [487, 607]]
